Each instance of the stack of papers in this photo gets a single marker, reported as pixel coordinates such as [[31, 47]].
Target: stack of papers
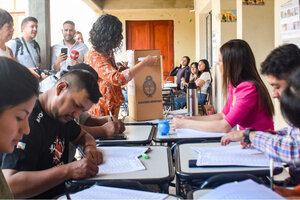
[[121, 159], [242, 190], [232, 155], [191, 133], [101, 192]]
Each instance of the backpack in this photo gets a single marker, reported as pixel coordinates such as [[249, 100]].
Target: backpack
[[20, 47]]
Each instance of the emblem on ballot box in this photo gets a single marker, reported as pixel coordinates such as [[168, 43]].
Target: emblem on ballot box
[[149, 86]]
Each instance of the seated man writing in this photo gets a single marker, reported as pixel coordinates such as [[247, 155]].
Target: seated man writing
[[38, 166], [98, 127]]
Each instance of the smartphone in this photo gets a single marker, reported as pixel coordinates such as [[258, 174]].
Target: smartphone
[[64, 50], [114, 137]]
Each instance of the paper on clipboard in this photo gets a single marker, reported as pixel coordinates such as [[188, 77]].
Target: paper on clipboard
[[121, 159], [231, 156]]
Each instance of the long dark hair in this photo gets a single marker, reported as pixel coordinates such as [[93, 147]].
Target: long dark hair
[[207, 68], [290, 98], [196, 64], [239, 66], [106, 34], [17, 84]]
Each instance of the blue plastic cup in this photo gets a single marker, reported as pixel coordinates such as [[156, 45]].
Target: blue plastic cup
[[163, 127]]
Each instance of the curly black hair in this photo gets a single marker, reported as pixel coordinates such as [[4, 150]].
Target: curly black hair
[[106, 34], [281, 62]]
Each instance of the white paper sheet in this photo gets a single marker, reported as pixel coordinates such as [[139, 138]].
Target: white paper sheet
[[101, 192], [142, 58], [247, 189], [170, 85], [121, 159], [191, 133], [231, 156]]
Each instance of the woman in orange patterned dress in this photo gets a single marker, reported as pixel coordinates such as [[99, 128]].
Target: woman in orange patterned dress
[[106, 37]]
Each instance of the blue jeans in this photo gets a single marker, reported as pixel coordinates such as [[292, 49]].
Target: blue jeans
[[180, 100], [201, 98]]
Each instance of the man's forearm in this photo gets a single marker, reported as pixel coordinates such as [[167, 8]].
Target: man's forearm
[[56, 67], [95, 131], [96, 121], [85, 139]]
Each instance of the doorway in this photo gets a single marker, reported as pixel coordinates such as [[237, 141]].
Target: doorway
[[156, 34]]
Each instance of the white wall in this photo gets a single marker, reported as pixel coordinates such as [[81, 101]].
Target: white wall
[[75, 10]]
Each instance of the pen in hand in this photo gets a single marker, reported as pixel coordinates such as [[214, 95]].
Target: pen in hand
[[81, 152], [111, 116]]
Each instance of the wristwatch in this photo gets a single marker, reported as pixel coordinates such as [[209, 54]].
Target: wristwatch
[[247, 134]]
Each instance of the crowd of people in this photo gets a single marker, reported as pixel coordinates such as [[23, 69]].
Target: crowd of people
[[47, 118], [37, 127]]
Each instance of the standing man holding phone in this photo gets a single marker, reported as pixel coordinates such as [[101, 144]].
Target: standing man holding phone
[[69, 51]]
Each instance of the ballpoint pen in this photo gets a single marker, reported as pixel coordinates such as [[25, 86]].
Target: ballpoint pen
[[271, 172], [81, 152], [111, 116]]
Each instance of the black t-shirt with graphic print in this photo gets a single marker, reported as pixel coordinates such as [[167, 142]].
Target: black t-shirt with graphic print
[[46, 146]]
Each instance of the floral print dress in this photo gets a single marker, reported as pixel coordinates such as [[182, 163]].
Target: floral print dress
[[110, 83]]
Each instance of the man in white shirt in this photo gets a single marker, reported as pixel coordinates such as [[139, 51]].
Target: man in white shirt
[[26, 50], [61, 59]]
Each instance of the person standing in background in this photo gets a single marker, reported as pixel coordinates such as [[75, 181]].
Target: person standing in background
[[61, 52], [79, 36], [6, 33], [25, 49], [106, 37]]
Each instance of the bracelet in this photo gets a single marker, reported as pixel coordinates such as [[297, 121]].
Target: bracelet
[[87, 145], [247, 135]]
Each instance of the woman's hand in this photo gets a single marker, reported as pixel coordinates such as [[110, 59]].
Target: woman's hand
[[150, 61], [177, 122]]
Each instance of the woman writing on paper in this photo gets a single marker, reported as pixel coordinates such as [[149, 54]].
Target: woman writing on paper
[[247, 96], [284, 146], [20, 90], [106, 37]]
